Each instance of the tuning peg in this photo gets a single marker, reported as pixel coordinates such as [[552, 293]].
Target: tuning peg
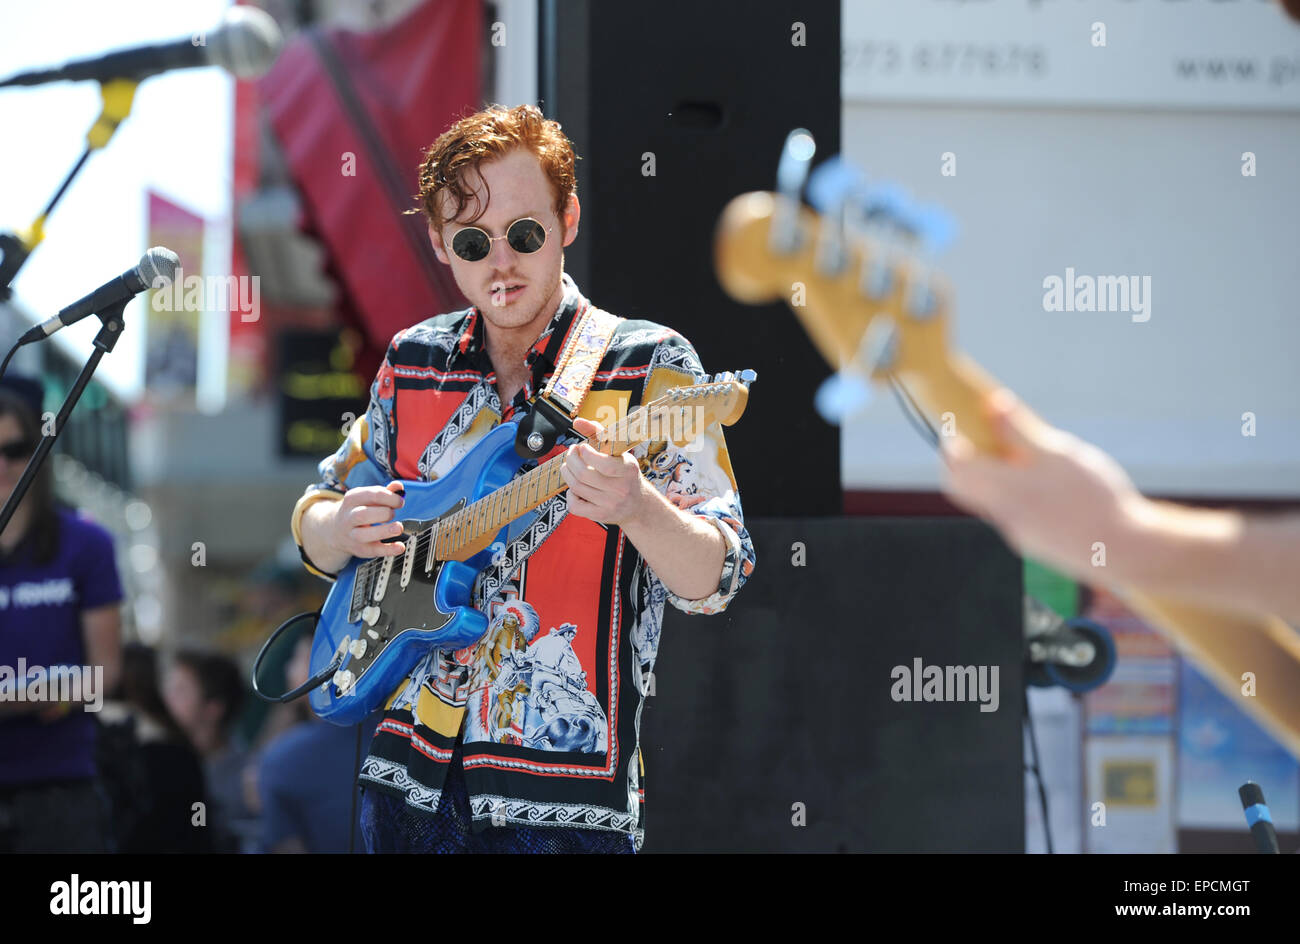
[[884, 203], [934, 230], [747, 376], [834, 183], [791, 174], [841, 395], [832, 189], [934, 227], [796, 157], [885, 210], [877, 279]]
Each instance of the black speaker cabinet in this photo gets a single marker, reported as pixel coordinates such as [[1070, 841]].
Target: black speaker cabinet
[[796, 720], [676, 107]]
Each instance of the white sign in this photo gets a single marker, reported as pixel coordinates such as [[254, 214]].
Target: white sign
[[1164, 53]]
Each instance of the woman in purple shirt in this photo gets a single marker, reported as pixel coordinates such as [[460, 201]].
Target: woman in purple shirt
[[59, 597]]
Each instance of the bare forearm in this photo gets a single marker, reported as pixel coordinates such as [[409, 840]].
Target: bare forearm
[[313, 526], [10, 707], [291, 846], [1241, 561], [685, 551], [112, 672], [101, 629]]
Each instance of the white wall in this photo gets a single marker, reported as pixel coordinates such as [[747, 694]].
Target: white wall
[[1111, 191], [514, 68]]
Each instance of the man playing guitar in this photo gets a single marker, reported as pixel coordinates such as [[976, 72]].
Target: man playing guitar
[[529, 739]]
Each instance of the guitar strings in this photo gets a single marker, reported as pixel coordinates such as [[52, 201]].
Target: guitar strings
[[507, 493], [913, 412], [368, 571]]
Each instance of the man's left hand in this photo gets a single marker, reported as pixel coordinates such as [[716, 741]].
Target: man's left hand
[[608, 489]]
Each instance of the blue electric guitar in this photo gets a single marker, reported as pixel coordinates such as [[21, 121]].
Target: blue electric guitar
[[384, 613]]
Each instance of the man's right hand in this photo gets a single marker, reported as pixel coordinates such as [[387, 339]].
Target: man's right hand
[[358, 525]]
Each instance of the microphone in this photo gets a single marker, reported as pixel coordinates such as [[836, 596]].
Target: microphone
[[245, 44], [1258, 817], [1077, 654], [157, 268]]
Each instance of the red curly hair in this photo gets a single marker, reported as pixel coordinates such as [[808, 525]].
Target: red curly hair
[[486, 136]]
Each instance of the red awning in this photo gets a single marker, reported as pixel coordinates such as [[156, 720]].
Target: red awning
[[382, 98]]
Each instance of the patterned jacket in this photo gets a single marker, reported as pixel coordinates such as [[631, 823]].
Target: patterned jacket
[[549, 701]]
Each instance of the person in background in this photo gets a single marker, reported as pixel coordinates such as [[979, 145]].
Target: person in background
[[59, 606], [307, 776], [204, 693], [152, 774], [1053, 496]]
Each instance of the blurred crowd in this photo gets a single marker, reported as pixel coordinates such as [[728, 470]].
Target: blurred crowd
[[172, 739], [175, 773], [164, 751]]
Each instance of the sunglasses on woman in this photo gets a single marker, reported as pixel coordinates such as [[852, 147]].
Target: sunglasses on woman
[[524, 236], [17, 449]]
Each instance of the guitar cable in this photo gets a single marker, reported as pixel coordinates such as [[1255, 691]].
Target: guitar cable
[[356, 788], [8, 357], [927, 432], [1036, 769]]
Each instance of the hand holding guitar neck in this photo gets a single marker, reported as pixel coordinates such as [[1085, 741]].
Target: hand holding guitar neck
[[877, 310], [1053, 496]]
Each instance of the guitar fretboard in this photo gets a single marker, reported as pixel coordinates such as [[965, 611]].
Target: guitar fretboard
[[461, 534], [493, 512]]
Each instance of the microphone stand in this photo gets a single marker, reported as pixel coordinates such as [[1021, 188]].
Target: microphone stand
[[118, 96], [104, 342]]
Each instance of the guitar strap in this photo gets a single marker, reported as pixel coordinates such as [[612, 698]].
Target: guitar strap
[[555, 407]]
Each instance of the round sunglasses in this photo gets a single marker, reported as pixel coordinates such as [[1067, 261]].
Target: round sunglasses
[[17, 449], [525, 236]]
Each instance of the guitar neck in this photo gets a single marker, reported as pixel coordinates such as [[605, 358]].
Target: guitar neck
[[470, 530], [679, 416]]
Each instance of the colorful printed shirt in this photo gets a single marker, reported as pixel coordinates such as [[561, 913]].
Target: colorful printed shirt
[[548, 702]]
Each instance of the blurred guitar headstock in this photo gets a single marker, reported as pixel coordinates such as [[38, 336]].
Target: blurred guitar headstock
[[856, 266]]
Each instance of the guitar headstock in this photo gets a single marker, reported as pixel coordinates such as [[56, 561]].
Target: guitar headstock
[[857, 269], [857, 258], [682, 414]]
